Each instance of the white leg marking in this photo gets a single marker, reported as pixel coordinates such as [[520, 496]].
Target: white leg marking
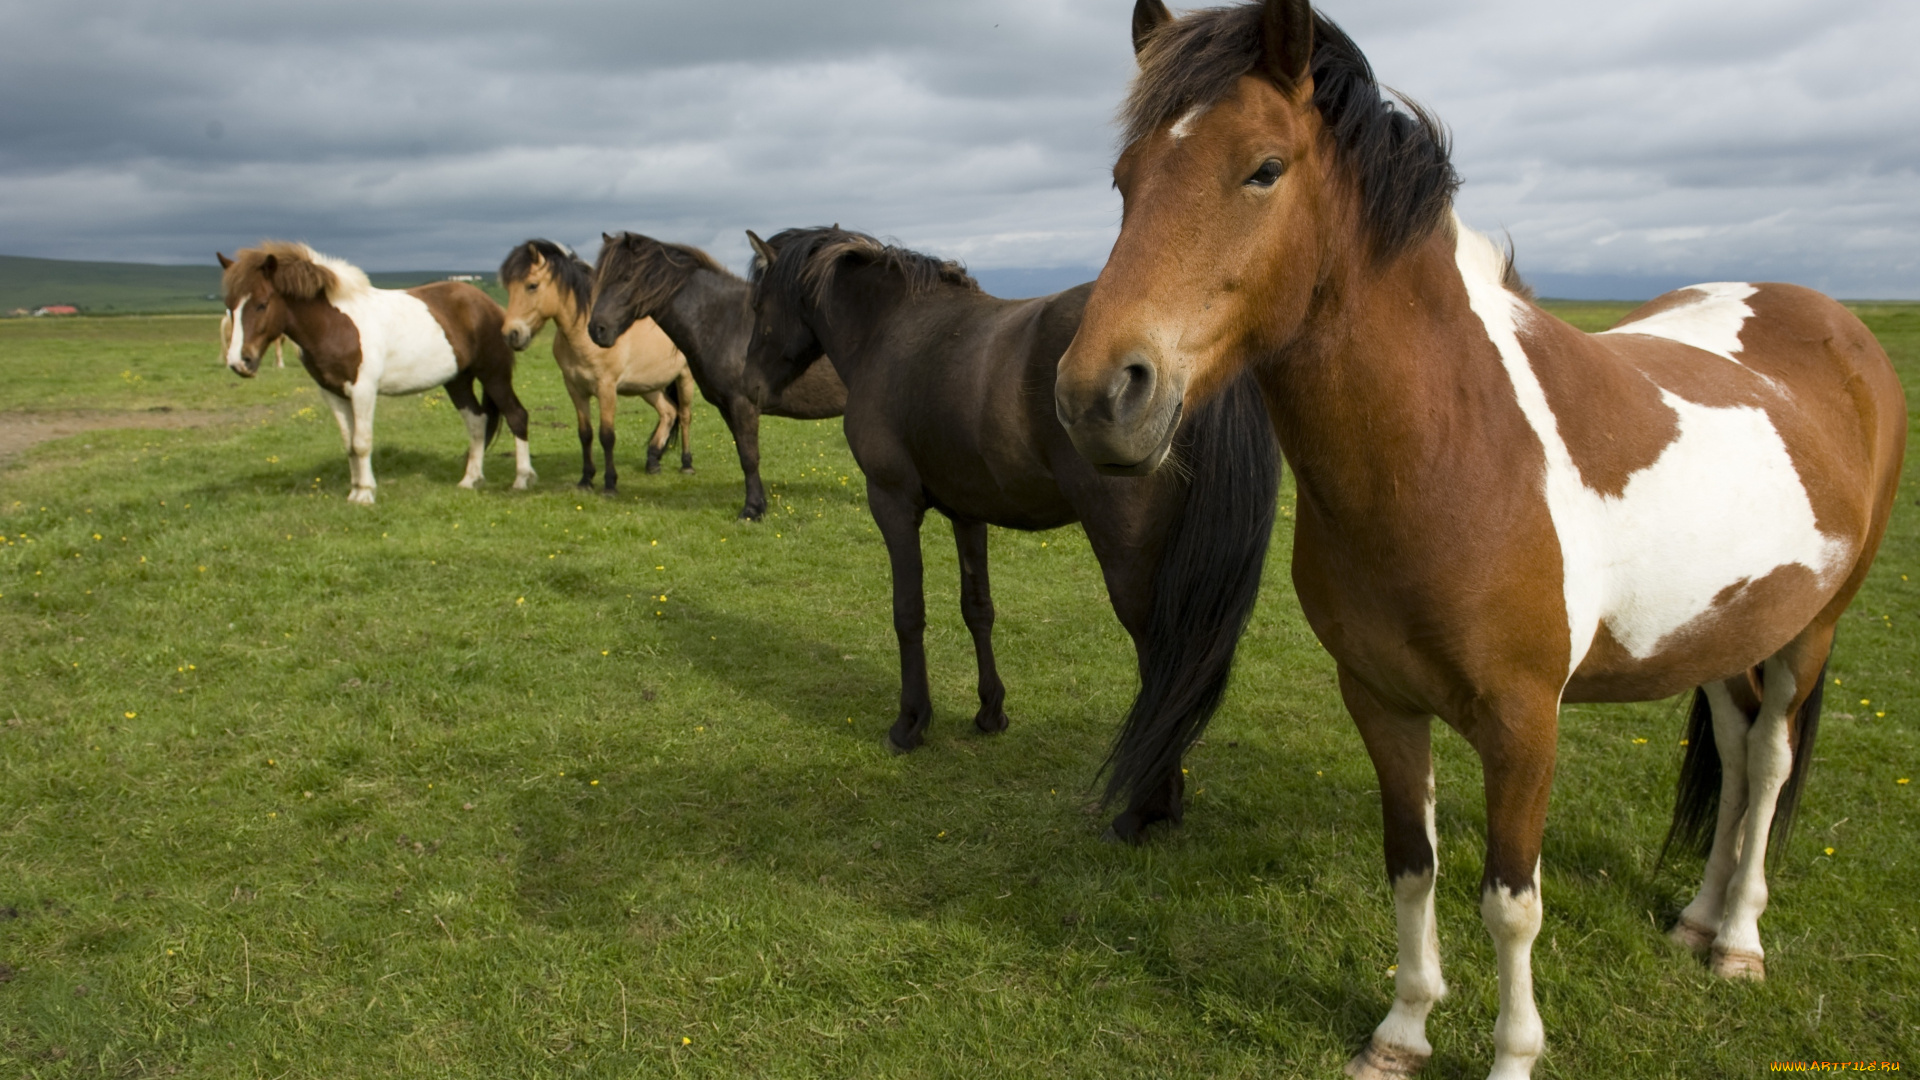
[[476, 447], [1736, 950], [1514, 921], [360, 454], [523, 473], [1700, 921]]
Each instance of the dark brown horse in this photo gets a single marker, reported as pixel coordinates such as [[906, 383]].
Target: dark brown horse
[[950, 408], [704, 309], [1496, 512], [359, 342]]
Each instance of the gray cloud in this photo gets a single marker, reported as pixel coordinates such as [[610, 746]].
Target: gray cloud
[[1652, 139]]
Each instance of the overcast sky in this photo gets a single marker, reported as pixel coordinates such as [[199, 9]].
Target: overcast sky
[[1640, 140]]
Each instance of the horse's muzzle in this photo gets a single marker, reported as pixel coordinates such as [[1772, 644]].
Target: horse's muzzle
[[1122, 421]]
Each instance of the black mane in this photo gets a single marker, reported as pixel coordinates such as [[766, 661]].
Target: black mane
[[570, 270], [807, 258], [1396, 151]]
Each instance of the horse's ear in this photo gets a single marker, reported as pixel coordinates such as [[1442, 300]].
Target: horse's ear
[[760, 247], [225, 263], [1287, 35], [539, 259], [606, 239], [1148, 16], [269, 265]]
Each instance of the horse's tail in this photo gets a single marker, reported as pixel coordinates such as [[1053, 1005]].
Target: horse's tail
[[492, 410], [1203, 594], [1696, 802]]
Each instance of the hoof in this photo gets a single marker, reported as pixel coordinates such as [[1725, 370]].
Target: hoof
[[1739, 964], [752, 515], [653, 468], [522, 483], [470, 483], [361, 496], [905, 736], [1691, 936], [609, 491], [584, 485], [686, 470], [1377, 1062], [991, 723]]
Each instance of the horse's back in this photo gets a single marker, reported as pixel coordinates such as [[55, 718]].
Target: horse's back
[[469, 320]]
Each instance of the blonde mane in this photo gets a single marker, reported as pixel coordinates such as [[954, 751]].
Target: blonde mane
[[300, 273]]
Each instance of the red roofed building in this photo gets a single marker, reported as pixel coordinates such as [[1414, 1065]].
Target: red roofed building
[[57, 309]]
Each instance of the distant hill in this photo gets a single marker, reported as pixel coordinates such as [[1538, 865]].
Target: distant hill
[[109, 288]]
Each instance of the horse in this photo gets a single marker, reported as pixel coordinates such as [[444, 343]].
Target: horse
[[703, 308], [359, 342], [226, 341], [949, 394], [546, 281], [1497, 512]]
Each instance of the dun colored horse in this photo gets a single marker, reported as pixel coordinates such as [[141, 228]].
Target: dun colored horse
[[704, 309], [546, 281], [1497, 513], [949, 408], [359, 342]]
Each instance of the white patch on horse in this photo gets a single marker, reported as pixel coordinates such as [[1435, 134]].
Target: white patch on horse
[[1721, 507], [1711, 322], [402, 347], [1184, 126]]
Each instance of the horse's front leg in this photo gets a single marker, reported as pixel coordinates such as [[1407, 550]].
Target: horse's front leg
[[609, 394], [360, 452], [1400, 744], [583, 423], [899, 518], [976, 607], [743, 417], [1516, 738]]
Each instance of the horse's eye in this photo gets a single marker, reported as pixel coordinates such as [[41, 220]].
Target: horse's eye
[[532, 285], [1268, 172]]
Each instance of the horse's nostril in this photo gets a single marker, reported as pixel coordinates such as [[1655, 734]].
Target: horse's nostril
[[1133, 389]]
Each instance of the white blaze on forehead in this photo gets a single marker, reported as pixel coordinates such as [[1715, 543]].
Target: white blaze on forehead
[[1711, 321], [1183, 126], [236, 336], [1722, 506]]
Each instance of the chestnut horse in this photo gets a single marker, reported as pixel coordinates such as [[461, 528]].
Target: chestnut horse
[[1497, 513], [359, 342], [948, 408], [703, 307], [546, 281]]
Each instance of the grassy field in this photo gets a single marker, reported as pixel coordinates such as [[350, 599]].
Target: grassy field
[[546, 784]]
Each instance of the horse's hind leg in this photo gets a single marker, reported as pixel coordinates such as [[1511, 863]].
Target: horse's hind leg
[[460, 392], [976, 607], [499, 388], [609, 394], [583, 425], [1700, 920], [1400, 745], [684, 418], [1791, 677], [662, 430], [899, 522]]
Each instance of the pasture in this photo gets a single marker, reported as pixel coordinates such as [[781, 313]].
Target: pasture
[[554, 784]]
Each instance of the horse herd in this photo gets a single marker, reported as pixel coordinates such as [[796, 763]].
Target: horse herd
[[1497, 513]]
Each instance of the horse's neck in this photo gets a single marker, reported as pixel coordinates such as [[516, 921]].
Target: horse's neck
[[852, 309], [572, 323], [1387, 378], [709, 318]]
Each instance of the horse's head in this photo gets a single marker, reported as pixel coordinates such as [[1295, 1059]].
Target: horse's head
[[530, 275], [256, 312], [1223, 180], [784, 343], [627, 284]]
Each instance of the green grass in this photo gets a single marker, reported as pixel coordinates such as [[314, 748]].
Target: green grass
[[439, 788], [111, 288]]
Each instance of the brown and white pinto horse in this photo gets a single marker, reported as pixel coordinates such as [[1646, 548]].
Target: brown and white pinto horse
[[359, 342], [1497, 513], [546, 281]]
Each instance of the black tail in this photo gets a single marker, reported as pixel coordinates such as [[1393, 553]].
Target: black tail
[[1696, 803], [492, 410], [672, 391], [1203, 591]]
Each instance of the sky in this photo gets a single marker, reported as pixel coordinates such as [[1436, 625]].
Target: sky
[[1627, 148]]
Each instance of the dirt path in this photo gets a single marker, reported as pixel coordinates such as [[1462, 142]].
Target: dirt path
[[20, 431]]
